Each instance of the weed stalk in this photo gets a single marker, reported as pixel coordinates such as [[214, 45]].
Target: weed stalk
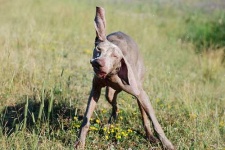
[[50, 104], [25, 114], [42, 102]]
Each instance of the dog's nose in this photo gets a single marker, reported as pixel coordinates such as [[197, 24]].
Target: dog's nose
[[94, 63], [97, 62]]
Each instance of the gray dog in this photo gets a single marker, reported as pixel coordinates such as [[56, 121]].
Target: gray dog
[[118, 67]]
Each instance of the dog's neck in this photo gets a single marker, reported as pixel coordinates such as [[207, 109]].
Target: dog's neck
[[115, 71]]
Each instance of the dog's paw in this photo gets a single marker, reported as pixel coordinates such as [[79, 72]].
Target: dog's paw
[[168, 145], [152, 139], [78, 145]]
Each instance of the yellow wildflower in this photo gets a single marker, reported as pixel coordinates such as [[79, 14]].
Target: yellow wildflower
[[134, 113], [76, 125], [112, 130], [104, 129], [103, 111], [106, 137], [129, 131], [116, 128], [75, 118], [124, 134], [118, 137], [93, 128], [97, 121]]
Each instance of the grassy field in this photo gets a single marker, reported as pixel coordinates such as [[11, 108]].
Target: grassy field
[[45, 76]]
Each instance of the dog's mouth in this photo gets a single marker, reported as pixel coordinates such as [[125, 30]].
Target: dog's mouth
[[100, 74]]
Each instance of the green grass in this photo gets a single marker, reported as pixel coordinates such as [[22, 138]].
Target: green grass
[[206, 32], [45, 49]]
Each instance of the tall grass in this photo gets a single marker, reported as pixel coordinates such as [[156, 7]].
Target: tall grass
[[46, 76], [205, 31]]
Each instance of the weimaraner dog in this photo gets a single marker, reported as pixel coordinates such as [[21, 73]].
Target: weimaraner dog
[[118, 66]]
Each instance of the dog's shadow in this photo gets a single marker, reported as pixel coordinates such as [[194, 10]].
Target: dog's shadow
[[29, 115]]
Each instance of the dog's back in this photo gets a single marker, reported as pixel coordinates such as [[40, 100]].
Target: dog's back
[[130, 51]]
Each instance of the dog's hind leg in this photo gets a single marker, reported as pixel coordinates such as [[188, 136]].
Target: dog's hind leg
[[111, 96]]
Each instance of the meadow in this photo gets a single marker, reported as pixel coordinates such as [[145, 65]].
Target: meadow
[[45, 76]]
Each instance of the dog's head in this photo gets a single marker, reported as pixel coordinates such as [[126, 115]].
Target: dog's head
[[107, 56]]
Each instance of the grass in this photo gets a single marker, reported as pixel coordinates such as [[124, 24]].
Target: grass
[[45, 75], [206, 32]]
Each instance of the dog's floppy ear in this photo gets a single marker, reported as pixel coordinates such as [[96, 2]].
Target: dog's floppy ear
[[100, 24], [127, 76]]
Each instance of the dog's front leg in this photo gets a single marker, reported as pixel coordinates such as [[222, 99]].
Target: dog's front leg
[[143, 100], [92, 101]]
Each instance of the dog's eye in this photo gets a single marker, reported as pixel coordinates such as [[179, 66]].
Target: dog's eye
[[98, 49], [98, 54]]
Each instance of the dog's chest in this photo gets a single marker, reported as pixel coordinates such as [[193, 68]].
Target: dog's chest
[[111, 81]]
